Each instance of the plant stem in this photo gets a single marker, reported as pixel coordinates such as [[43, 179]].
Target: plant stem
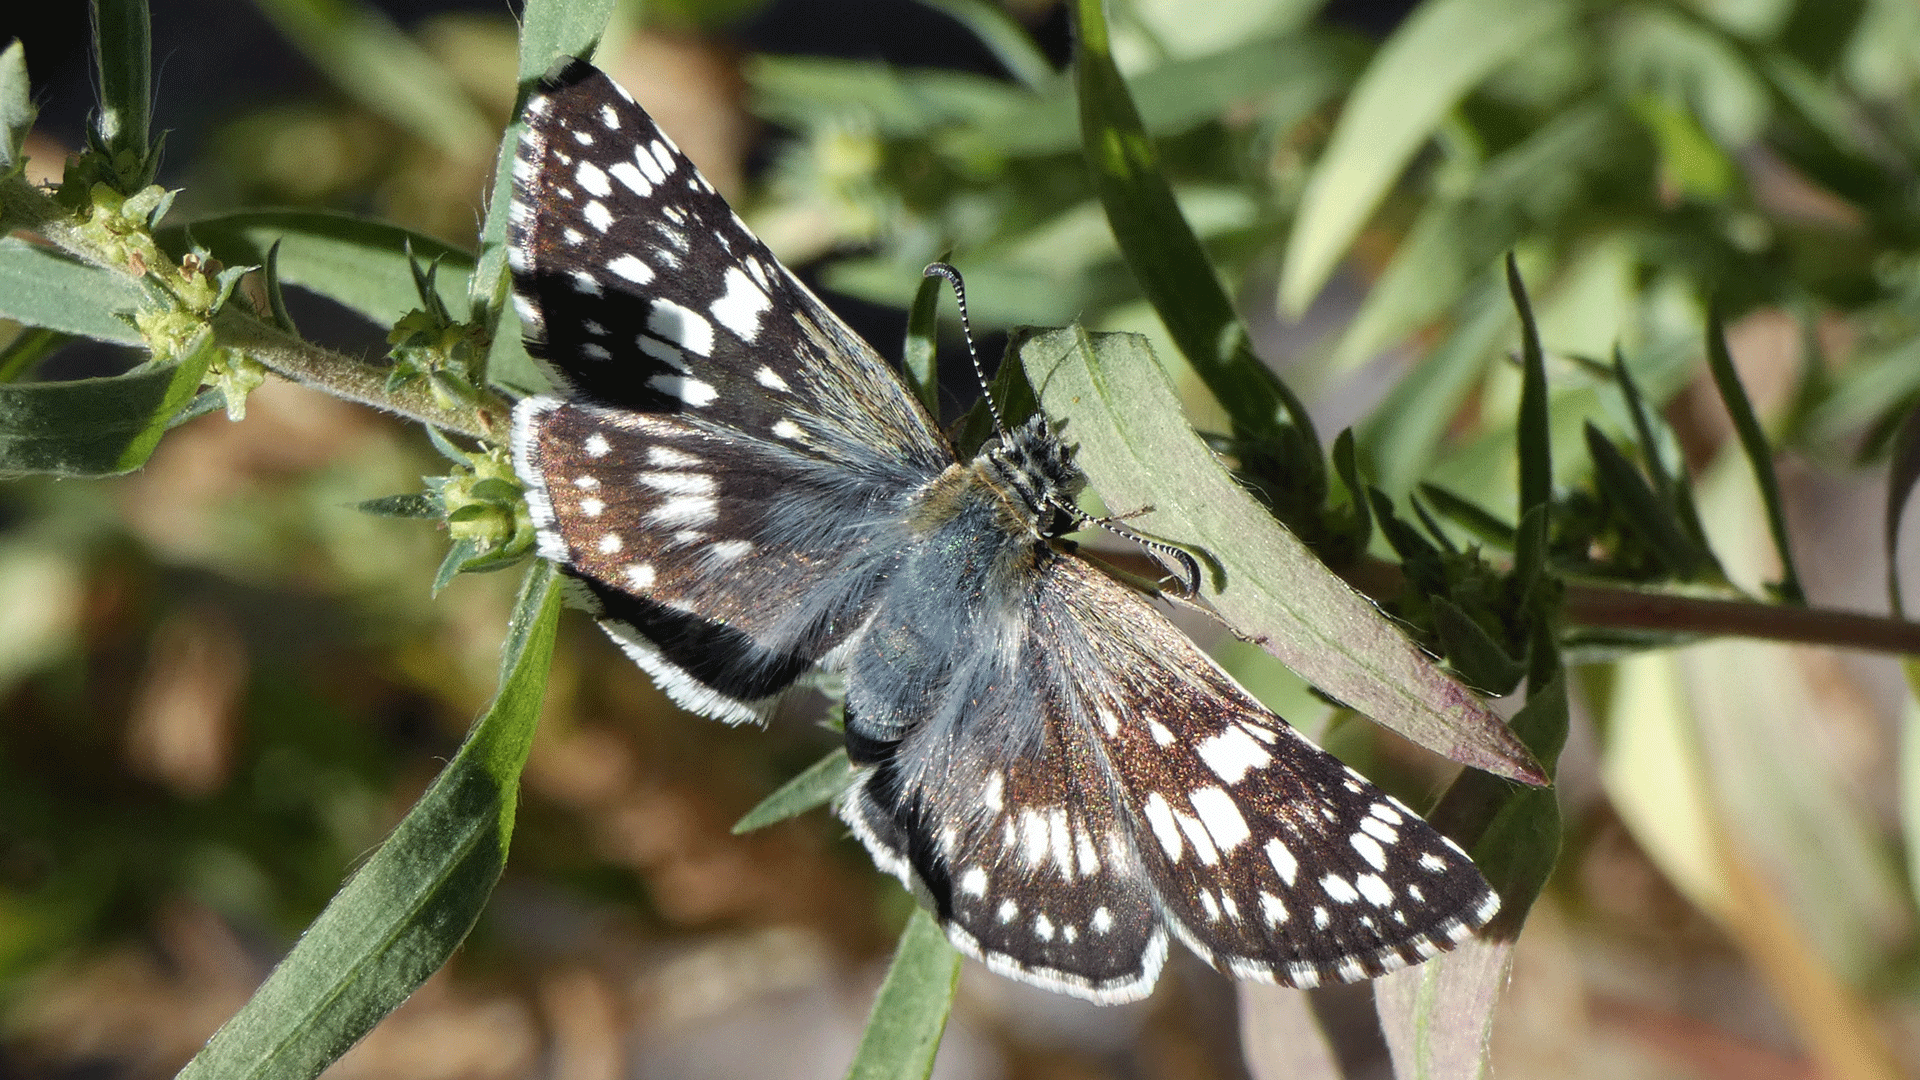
[[1624, 607], [236, 327]]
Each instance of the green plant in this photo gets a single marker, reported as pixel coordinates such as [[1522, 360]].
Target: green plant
[[1562, 528]]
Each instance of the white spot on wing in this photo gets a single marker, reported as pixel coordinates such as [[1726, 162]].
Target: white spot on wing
[[592, 507], [631, 268], [597, 446], [1273, 909], [684, 510], [1222, 819], [974, 882], [668, 458], [679, 483], [1102, 920], [1369, 849], [1283, 861], [593, 178], [1165, 829], [728, 551], [771, 379], [1339, 889], [1008, 909], [1375, 889], [993, 794], [787, 429], [741, 307], [598, 216], [640, 575], [1043, 927], [692, 391], [1161, 736], [682, 326], [624, 172], [1197, 836], [610, 544], [1232, 754]]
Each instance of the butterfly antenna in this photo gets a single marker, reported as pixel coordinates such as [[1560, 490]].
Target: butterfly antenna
[[1189, 581], [952, 276]]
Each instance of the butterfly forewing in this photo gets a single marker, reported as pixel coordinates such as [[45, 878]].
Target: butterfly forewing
[[724, 424], [743, 491]]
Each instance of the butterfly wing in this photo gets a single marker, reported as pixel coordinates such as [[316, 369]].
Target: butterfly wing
[[728, 461], [1136, 791]]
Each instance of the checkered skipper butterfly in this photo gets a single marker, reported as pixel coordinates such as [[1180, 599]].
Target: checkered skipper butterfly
[[743, 491]]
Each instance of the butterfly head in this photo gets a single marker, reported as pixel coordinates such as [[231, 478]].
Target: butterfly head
[[1037, 471]]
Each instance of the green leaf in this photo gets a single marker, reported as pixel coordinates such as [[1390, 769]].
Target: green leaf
[[40, 287], [276, 300], [1902, 474], [549, 30], [1117, 404], [1535, 439], [910, 1014], [354, 261], [805, 92], [1639, 510], [1401, 438], [412, 505], [397, 920], [92, 427], [1004, 37], [30, 346], [123, 48], [1437, 1017], [459, 553], [16, 106], [920, 355], [1473, 652], [1286, 78], [820, 783], [1167, 260], [1470, 516], [1753, 442], [1442, 51], [376, 63]]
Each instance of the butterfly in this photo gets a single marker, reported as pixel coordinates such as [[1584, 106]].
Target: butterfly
[[743, 492]]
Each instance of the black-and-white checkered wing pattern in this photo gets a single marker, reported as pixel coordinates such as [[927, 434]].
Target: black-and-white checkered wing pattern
[[1134, 791], [727, 448], [744, 491]]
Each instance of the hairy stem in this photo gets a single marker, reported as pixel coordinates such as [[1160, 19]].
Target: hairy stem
[[24, 207]]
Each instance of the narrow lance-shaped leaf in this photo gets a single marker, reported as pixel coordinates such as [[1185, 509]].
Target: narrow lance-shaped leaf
[[123, 44], [1535, 442], [549, 29], [16, 106], [40, 287], [919, 356], [910, 1014], [379, 65], [1753, 442], [354, 261], [1440, 53], [1004, 37], [819, 784], [1116, 402], [92, 427], [1438, 1017], [1166, 258], [1902, 474], [1639, 509], [399, 918]]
